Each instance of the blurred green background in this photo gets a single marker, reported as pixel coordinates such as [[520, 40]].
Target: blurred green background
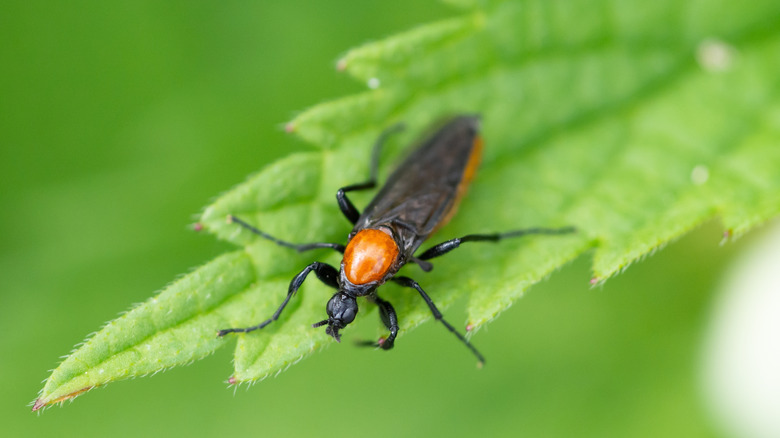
[[119, 121]]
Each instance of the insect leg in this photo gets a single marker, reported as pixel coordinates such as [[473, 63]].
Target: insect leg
[[300, 248], [345, 204], [408, 282], [445, 247], [390, 320], [325, 272]]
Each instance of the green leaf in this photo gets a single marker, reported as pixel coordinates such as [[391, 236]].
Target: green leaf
[[633, 121], [166, 330]]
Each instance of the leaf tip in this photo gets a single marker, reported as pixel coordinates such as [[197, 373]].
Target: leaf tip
[[341, 64], [42, 402], [594, 281], [232, 380], [39, 403], [727, 234], [289, 127], [197, 226]]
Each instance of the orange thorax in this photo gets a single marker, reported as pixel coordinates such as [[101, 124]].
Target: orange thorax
[[369, 255]]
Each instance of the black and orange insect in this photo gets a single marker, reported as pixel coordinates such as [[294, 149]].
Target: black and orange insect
[[419, 197]]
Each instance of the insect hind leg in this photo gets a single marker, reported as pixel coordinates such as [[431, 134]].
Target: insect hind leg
[[346, 206]]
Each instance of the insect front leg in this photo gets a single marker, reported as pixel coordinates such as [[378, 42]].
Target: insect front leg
[[390, 320], [298, 247], [445, 247], [408, 282], [345, 204], [325, 272]]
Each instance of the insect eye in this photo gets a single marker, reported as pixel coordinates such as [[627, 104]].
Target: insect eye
[[342, 307], [348, 315]]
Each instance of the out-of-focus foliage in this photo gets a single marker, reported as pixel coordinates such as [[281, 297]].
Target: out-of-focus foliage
[[118, 121]]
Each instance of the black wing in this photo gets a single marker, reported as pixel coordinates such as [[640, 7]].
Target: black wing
[[423, 193]]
